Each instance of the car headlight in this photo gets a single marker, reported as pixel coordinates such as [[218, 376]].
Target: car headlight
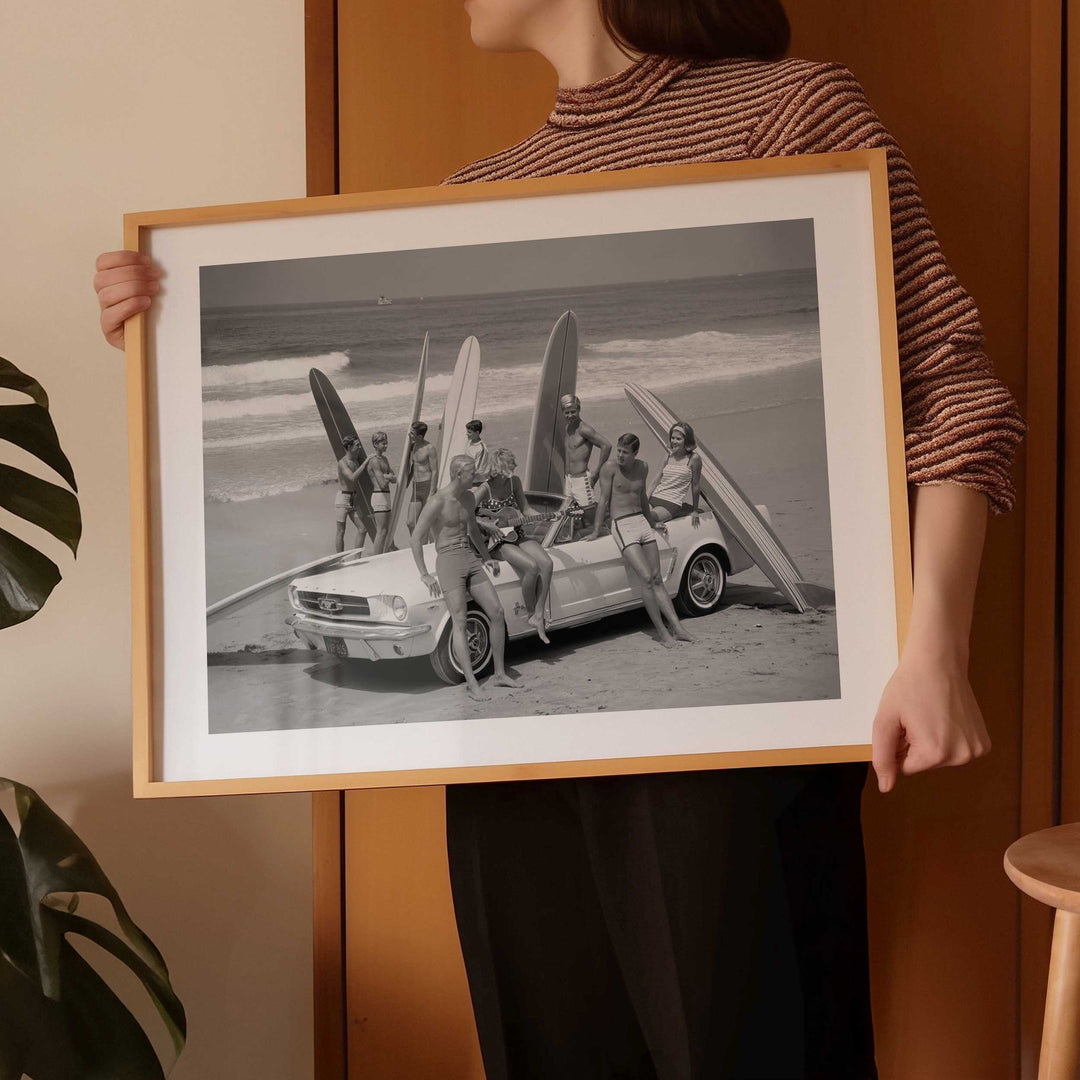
[[401, 609], [293, 590]]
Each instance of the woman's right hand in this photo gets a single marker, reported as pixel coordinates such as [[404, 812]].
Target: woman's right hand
[[126, 282]]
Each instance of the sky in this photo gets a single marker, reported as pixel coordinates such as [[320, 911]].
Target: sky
[[526, 266]]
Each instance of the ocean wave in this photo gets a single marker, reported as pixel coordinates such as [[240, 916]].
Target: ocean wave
[[604, 370], [246, 491], [284, 404], [264, 371]]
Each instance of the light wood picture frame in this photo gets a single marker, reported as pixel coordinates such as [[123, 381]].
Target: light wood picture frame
[[752, 299]]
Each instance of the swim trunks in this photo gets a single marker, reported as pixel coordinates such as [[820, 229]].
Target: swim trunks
[[380, 502], [633, 529], [421, 489], [344, 506], [580, 488], [458, 567]]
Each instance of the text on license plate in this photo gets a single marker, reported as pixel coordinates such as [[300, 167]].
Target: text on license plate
[[336, 646]]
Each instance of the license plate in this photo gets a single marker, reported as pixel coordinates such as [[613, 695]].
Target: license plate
[[336, 646]]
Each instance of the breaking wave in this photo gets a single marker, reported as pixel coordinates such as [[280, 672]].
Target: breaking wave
[[264, 371]]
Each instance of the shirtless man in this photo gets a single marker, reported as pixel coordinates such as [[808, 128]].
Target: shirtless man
[[382, 476], [424, 465], [581, 481], [634, 527], [450, 517], [349, 498]]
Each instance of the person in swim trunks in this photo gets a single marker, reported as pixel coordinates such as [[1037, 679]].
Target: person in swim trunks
[[450, 518], [581, 438], [674, 492], [424, 467], [634, 527], [382, 476], [348, 501]]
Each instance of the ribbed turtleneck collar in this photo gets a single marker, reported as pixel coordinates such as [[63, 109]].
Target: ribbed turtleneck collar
[[615, 96]]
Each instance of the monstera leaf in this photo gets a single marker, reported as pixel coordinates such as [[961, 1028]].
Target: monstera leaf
[[27, 577], [59, 1020]]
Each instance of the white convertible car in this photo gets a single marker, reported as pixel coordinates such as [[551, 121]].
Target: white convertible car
[[377, 608]]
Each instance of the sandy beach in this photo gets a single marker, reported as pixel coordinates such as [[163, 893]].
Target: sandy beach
[[767, 430]]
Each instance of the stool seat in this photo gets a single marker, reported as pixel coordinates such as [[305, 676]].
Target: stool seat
[[1046, 866]]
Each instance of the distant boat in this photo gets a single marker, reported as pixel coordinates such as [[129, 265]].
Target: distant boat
[[384, 300]]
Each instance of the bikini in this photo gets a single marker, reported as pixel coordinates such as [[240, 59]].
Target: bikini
[[494, 506]]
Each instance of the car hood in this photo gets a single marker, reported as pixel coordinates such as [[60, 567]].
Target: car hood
[[393, 573]]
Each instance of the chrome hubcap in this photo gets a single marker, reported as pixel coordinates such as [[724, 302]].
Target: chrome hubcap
[[705, 580], [479, 641]]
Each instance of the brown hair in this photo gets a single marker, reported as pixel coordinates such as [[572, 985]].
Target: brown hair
[[699, 29]]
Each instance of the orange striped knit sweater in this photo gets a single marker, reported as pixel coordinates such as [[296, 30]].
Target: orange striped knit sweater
[[961, 423]]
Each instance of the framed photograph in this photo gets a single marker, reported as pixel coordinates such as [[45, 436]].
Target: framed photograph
[[560, 477]]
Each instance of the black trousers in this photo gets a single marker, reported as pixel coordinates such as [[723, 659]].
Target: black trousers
[[666, 927]]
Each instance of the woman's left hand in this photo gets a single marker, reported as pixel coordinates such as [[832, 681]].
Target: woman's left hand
[[928, 717]]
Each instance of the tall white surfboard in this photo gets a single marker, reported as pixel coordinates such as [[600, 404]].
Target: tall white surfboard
[[545, 463], [735, 511], [401, 495], [460, 406]]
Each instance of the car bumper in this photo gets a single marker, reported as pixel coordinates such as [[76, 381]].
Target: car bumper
[[363, 641]]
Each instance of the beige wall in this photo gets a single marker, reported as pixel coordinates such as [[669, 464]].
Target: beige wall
[[111, 106]]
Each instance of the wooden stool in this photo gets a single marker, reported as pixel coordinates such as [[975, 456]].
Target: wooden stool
[[1046, 866]]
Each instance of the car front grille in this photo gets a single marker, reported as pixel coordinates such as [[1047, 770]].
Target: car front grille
[[333, 605]]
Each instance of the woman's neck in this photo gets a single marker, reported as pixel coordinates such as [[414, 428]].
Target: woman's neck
[[578, 46]]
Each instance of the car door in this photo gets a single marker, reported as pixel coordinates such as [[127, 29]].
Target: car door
[[590, 576]]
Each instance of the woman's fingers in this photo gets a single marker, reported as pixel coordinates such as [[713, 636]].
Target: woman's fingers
[[110, 260], [126, 283], [112, 318], [106, 279], [110, 295]]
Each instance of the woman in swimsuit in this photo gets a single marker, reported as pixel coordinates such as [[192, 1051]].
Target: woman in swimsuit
[[500, 503], [674, 491]]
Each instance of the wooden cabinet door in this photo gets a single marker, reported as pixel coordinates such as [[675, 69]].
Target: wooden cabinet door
[[954, 83]]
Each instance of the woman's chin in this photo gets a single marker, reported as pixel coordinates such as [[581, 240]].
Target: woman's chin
[[489, 29]]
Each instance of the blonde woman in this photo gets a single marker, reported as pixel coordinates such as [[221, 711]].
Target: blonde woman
[[501, 508]]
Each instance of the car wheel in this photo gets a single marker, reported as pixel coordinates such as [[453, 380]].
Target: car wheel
[[702, 583], [478, 632]]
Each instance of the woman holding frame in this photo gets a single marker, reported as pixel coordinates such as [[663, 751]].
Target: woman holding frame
[[626, 926]]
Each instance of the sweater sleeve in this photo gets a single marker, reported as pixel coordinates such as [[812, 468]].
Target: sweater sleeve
[[961, 424]]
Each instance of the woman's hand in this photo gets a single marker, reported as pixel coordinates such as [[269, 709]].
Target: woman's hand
[[126, 283], [928, 717]]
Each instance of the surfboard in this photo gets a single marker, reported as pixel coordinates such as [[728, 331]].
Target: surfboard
[[338, 425], [460, 406], [728, 501], [401, 495], [545, 462]]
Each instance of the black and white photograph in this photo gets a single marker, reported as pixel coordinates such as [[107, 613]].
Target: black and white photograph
[[567, 477], [594, 465]]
